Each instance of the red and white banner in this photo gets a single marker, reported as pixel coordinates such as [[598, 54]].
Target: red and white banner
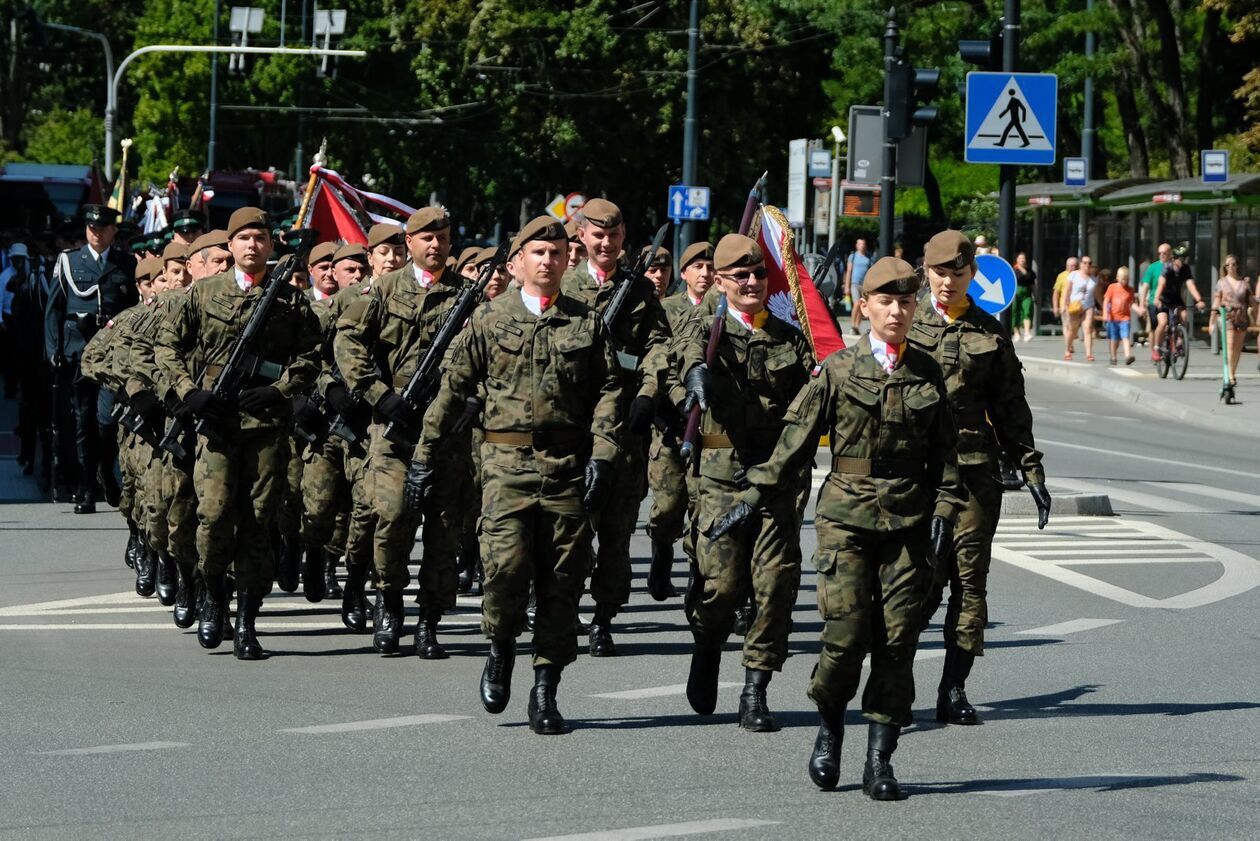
[[793, 297], [338, 209]]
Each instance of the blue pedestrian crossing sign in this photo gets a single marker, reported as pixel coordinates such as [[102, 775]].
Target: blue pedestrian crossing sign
[[1011, 118], [993, 287], [688, 204]]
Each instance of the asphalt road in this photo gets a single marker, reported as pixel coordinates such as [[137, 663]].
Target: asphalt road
[[1118, 693]]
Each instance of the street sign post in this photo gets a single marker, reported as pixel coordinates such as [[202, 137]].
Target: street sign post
[[1214, 166], [688, 203], [1074, 172], [798, 154], [1011, 118], [993, 287]]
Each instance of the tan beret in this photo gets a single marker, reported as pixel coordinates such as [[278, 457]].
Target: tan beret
[[892, 275], [949, 248], [571, 229], [247, 217], [320, 253], [428, 219], [484, 255], [383, 232], [542, 227], [466, 256], [349, 251], [736, 250], [662, 257], [696, 251], [601, 213], [217, 238], [174, 251], [149, 268]]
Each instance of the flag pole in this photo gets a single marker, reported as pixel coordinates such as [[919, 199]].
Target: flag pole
[[310, 184]]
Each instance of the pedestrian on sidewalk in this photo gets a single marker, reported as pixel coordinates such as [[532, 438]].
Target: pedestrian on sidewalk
[[1056, 296], [1117, 311], [1025, 280], [1077, 304], [1235, 294], [1150, 281]]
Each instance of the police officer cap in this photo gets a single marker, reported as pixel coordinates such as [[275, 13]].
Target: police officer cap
[[186, 219], [467, 256], [662, 257], [571, 229], [217, 238], [383, 232], [428, 219], [247, 217], [601, 213], [322, 253], [349, 251], [148, 268], [17, 249], [949, 248], [543, 227], [174, 251], [736, 250], [696, 251], [99, 215], [891, 275]]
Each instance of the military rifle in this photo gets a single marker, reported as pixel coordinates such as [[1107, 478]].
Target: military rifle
[[622, 293]]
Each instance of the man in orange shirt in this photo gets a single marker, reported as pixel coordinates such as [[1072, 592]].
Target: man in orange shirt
[[1117, 310]]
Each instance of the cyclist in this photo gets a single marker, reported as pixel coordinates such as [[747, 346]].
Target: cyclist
[[1170, 293]]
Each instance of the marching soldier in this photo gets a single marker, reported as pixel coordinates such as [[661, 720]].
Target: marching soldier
[[761, 365], [985, 383], [577, 251], [186, 227], [551, 387], [238, 473], [91, 285], [660, 271], [386, 250], [886, 506], [641, 340], [319, 267]]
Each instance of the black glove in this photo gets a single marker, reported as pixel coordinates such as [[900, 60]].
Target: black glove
[[728, 521], [469, 417], [258, 400], [340, 398], [598, 480], [1041, 496], [393, 409], [145, 404], [699, 382], [942, 539], [416, 486], [203, 404], [642, 411], [306, 415], [120, 396]]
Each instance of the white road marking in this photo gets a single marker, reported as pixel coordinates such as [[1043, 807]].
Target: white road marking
[[928, 654], [332, 623], [1074, 626], [136, 746], [655, 691], [1138, 457], [1209, 491], [1144, 500], [107, 599], [377, 724], [664, 830]]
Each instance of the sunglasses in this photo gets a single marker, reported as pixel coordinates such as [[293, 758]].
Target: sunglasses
[[759, 273]]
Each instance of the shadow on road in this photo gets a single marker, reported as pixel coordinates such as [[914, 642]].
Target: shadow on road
[[1059, 704], [1103, 784]]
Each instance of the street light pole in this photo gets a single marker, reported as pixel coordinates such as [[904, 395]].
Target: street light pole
[[214, 93], [109, 74], [689, 123], [888, 178]]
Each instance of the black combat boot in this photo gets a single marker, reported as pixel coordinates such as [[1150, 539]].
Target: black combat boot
[[213, 611], [427, 645], [744, 616], [85, 501], [952, 705], [354, 605], [167, 579], [601, 632], [702, 680], [824, 761], [660, 587], [544, 717], [878, 780], [133, 544], [314, 585], [388, 621], [245, 644], [331, 586], [186, 598], [496, 677], [754, 715], [146, 569], [289, 565]]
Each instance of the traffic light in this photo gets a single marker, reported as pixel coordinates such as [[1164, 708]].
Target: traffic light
[[987, 55], [906, 87]]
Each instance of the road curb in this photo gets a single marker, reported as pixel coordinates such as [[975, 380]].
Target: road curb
[[1062, 504], [1149, 401]]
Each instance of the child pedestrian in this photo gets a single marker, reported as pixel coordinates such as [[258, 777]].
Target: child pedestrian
[[1117, 311]]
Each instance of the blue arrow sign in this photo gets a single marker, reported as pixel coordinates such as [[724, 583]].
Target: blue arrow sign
[[1011, 118], [993, 287], [688, 203]]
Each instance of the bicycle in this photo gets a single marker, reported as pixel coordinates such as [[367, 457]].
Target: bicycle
[[1174, 347]]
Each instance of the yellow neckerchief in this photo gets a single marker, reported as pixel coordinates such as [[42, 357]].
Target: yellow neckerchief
[[954, 312], [752, 322]]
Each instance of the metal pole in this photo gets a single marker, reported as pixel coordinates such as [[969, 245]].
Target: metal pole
[[888, 178], [301, 121], [109, 91], [833, 200], [1087, 136], [214, 93], [1006, 173], [689, 123]]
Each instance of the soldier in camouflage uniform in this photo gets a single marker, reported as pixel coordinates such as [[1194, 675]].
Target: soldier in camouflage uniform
[[883, 511], [762, 363], [239, 472], [551, 388], [667, 472], [641, 341], [387, 252], [378, 345], [985, 383]]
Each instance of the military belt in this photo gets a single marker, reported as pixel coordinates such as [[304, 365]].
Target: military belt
[[716, 442], [878, 468], [400, 381], [539, 439]]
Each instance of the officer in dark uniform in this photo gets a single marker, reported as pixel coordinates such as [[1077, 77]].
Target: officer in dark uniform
[[187, 226], [90, 286]]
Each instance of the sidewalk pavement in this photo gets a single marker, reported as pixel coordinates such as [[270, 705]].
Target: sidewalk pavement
[[14, 486], [1195, 399]]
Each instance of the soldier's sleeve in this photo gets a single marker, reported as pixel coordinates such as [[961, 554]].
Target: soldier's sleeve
[[689, 344], [120, 353], [943, 463], [606, 418], [461, 379], [144, 373], [656, 358], [1009, 413], [174, 342], [805, 419], [94, 362], [299, 375], [357, 329], [54, 315]]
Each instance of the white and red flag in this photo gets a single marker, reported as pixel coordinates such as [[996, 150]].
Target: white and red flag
[[340, 211]]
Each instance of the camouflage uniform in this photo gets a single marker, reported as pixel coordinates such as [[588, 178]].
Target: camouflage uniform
[[549, 382], [667, 472], [893, 467]]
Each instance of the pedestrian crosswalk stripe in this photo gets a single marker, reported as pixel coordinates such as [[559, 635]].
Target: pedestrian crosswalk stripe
[[665, 830], [376, 724], [1074, 626]]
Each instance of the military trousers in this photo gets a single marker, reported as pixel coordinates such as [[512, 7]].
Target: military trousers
[[155, 499], [761, 556], [966, 573], [133, 455], [533, 529], [289, 517], [871, 590], [328, 490], [176, 511], [614, 526], [239, 482], [667, 479]]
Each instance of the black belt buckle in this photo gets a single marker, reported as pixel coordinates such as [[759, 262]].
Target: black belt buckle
[[883, 468]]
